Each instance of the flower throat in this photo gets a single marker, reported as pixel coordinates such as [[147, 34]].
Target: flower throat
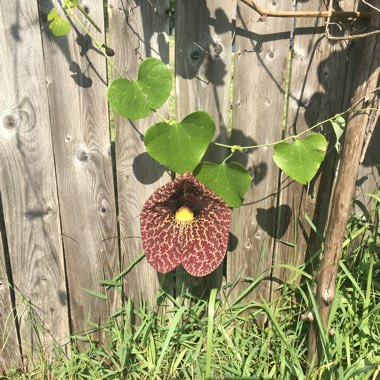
[[184, 214]]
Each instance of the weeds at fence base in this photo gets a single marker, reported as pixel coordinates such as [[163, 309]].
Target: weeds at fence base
[[190, 338]]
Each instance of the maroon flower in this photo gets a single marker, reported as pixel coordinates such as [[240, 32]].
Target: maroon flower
[[184, 222]]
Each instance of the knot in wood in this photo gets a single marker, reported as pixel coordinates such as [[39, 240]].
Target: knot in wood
[[218, 48], [327, 296], [195, 55], [82, 156], [10, 121], [308, 316]]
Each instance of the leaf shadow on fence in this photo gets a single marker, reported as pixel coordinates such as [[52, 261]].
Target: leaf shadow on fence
[[333, 75], [83, 41]]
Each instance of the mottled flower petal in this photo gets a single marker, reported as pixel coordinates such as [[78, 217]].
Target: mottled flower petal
[[199, 243]]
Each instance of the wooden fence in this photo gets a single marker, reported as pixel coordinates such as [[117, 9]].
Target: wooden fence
[[71, 197]]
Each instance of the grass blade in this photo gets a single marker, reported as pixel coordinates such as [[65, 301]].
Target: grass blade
[[171, 331], [129, 268], [96, 294], [210, 329]]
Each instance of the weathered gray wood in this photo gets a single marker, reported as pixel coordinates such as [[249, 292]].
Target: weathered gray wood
[[138, 29], [10, 354], [261, 58], [368, 180], [368, 175], [316, 93], [203, 41], [28, 181], [76, 76]]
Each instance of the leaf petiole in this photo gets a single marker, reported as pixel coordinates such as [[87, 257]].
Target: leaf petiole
[[97, 43]]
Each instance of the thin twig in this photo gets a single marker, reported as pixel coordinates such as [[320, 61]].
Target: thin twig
[[371, 6], [269, 13], [354, 36], [330, 10]]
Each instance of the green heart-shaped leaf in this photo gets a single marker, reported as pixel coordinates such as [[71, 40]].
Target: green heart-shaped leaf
[[301, 159], [230, 181], [338, 124], [136, 99], [58, 24], [180, 146]]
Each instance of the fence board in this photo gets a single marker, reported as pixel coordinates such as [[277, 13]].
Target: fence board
[[27, 181], [261, 56], [368, 179], [316, 93], [10, 354], [77, 77], [138, 29], [203, 38]]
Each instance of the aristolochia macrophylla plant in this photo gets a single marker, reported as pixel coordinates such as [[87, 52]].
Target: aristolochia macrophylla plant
[[184, 222]]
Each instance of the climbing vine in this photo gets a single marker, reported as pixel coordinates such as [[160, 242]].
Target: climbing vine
[[181, 144]]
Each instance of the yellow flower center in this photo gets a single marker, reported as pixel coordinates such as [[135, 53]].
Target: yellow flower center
[[184, 214]]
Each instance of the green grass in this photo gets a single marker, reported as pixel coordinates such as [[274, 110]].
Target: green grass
[[219, 339]]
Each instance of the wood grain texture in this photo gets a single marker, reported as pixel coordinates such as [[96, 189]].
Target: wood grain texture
[[138, 29], [77, 77], [316, 92], [10, 353], [203, 42], [261, 56], [368, 179], [28, 182]]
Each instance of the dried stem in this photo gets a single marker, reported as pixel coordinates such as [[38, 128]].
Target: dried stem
[[354, 36], [269, 13]]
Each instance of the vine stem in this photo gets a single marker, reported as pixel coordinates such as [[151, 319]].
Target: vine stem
[[85, 14], [299, 134], [161, 117], [224, 161], [97, 43]]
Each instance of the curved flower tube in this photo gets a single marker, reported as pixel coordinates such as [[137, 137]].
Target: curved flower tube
[[184, 222]]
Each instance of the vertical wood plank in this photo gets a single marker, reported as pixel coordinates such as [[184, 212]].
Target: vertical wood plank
[[138, 29], [10, 353], [28, 182], [77, 78], [203, 41], [316, 93], [368, 179], [261, 56]]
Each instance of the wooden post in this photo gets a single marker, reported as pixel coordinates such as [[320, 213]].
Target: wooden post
[[364, 96]]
